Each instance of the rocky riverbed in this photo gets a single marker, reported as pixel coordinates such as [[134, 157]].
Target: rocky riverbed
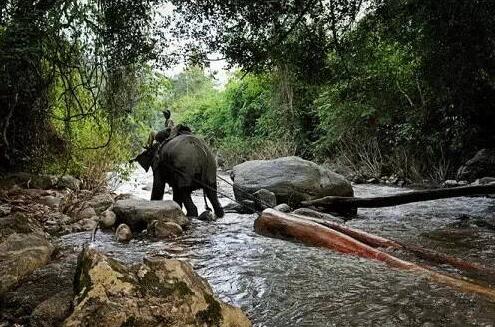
[[276, 283]]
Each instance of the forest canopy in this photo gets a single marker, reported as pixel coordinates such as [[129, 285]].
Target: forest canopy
[[385, 86]]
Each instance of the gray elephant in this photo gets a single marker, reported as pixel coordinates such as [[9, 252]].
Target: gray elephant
[[186, 163]]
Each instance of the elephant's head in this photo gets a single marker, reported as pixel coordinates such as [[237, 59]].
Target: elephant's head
[[145, 159]]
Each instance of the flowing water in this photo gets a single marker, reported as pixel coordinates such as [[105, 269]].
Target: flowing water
[[279, 283]]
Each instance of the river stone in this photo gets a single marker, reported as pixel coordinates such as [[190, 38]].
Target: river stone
[[123, 233], [235, 207], [138, 213], [107, 219], [207, 215], [265, 199], [101, 202], [282, 207], [292, 179], [481, 165], [85, 213], [20, 255], [164, 229], [160, 292]]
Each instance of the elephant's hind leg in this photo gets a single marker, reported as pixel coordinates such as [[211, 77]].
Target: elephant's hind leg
[[211, 193]]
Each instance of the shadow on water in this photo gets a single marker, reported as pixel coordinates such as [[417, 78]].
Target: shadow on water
[[280, 283]]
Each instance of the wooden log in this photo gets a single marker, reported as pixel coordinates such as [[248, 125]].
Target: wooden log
[[340, 203], [280, 225], [378, 241]]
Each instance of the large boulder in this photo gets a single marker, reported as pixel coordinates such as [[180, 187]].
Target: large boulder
[[481, 165], [20, 255], [292, 179], [44, 298], [138, 213], [160, 292], [101, 202]]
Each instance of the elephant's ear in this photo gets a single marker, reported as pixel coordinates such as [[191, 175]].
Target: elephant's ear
[[145, 159]]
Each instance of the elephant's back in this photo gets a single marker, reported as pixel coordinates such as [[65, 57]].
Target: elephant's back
[[190, 157]]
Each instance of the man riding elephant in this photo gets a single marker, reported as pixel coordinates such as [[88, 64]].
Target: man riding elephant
[[163, 134]]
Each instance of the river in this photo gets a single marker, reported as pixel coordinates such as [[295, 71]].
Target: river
[[279, 283]]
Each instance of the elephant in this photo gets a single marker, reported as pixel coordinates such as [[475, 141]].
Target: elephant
[[185, 162]]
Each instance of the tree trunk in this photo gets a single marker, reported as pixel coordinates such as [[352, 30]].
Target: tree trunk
[[340, 203], [280, 225]]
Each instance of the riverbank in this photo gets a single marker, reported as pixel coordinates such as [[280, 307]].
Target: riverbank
[[38, 270], [279, 283]]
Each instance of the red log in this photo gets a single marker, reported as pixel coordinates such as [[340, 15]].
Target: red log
[[276, 224], [378, 241]]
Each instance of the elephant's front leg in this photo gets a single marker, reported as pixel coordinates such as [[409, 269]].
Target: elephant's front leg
[[158, 186], [177, 197]]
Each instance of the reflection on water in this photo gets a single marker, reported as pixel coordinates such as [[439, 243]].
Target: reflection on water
[[279, 283]]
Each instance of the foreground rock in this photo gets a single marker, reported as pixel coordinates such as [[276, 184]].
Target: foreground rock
[[137, 213], [20, 255], [160, 292], [292, 179], [24, 247], [481, 165], [44, 298]]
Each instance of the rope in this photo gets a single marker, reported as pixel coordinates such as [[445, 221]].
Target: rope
[[203, 185]]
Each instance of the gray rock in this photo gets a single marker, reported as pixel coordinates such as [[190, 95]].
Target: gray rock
[[123, 233], [51, 200], [31, 303], [55, 223], [164, 229], [89, 224], [68, 182], [18, 223], [481, 165], [5, 210], [138, 213], [36, 251], [53, 311], [291, 179], [26, 180], [265, 199], [158, 292], [207, 216], [282, 207], [108, 219], [101, 202], [85, 213]]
